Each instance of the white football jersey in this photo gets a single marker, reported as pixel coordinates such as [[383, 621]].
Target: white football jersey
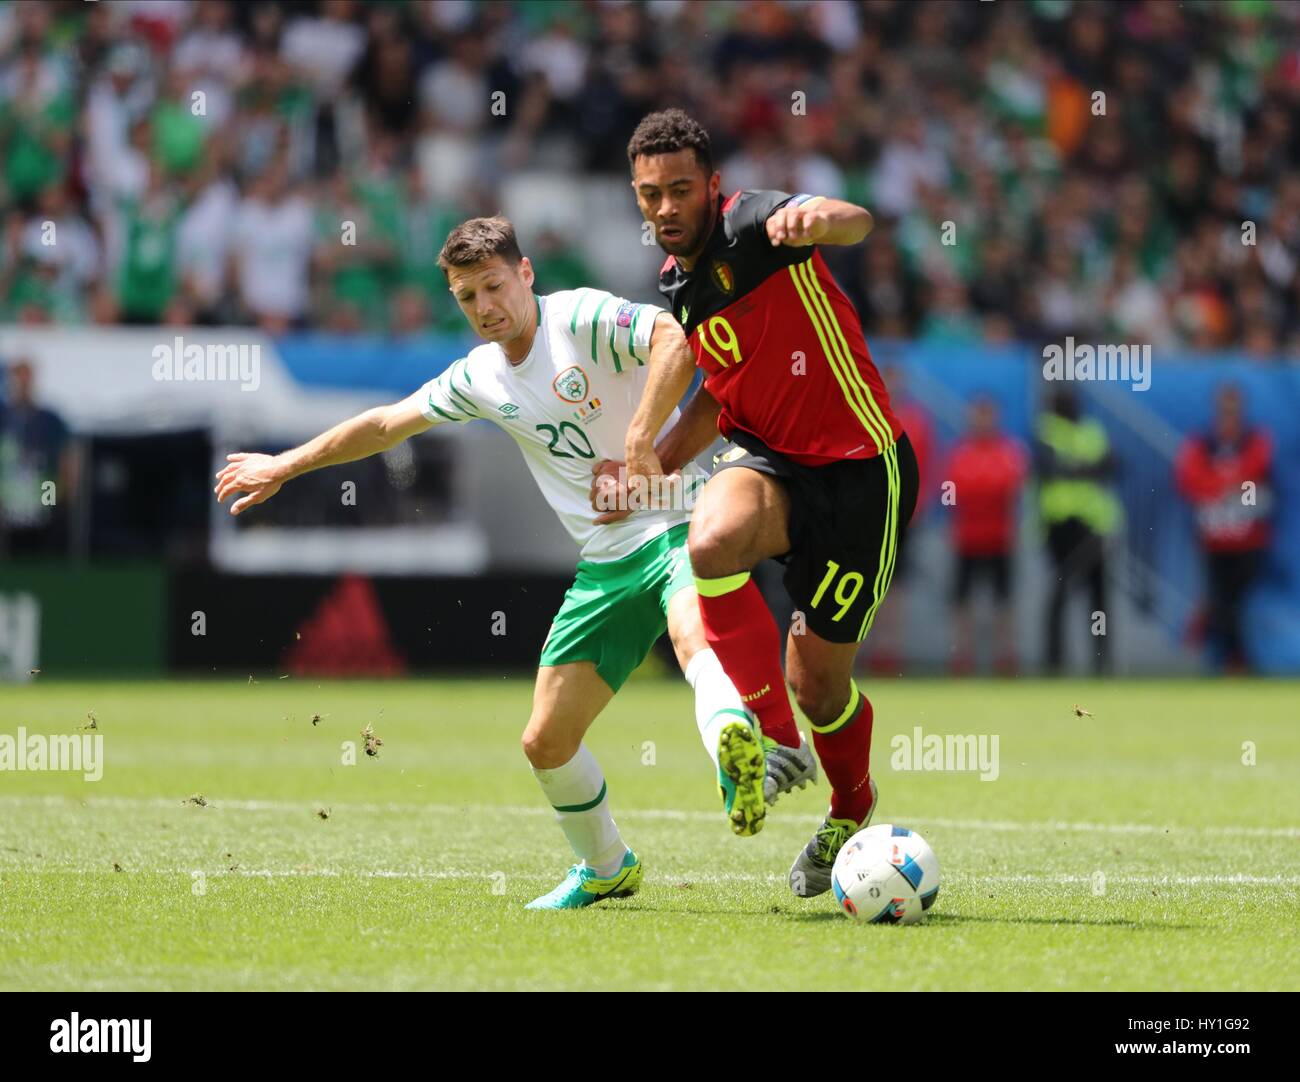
[[568, 404]]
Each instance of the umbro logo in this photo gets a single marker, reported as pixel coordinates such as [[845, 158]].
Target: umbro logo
[[509, 411]]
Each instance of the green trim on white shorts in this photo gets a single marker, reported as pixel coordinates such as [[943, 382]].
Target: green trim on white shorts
[[615, 611]]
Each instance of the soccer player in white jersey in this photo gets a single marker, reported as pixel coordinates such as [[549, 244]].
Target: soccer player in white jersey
[[565, 375]]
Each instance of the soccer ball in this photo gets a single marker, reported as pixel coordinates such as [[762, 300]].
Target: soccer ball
[[886, 875]]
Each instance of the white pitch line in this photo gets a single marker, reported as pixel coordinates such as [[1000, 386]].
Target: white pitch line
[[672, 814], [996, 825], [1145, 880], [710, 878]]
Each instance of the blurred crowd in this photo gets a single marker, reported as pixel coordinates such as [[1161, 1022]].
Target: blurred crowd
[[1120, 171]]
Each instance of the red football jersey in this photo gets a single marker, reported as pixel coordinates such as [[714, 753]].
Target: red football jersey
[[988, 474], [780, 344], [1210, 475]]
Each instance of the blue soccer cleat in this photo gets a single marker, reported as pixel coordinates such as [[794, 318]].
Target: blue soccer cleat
[[583, 887]]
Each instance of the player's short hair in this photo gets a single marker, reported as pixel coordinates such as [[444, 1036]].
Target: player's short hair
[[478, 239], [667, 132]]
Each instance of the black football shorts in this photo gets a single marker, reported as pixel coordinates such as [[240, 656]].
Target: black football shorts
[[847, 521]]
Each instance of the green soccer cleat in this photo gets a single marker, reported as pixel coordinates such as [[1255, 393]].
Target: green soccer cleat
[[742, 768], [583, 887], [810, 874]]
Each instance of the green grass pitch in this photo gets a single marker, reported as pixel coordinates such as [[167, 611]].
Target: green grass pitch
[[418, 876]]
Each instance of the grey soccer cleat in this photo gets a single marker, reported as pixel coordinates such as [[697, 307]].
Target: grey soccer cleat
[[810, 874], [787, 768]]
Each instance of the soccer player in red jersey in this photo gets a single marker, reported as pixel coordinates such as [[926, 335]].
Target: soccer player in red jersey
[[821, 475]]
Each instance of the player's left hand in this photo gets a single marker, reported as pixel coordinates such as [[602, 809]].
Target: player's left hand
[[609, 490], [796, 227]]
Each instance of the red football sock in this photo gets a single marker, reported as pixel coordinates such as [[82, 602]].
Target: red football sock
[[739, 628], [846, 758]]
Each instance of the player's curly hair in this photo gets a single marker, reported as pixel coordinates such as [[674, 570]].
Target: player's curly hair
[[478, 239], [667, 132]]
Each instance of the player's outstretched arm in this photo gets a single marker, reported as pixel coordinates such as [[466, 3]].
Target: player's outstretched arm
[[672, 367], [818, 221], [260, 477]]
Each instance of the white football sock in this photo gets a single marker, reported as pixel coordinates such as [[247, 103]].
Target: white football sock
[[717, 701], [576, 791]]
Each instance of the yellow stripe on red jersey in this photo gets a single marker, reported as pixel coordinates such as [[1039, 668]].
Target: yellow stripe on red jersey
[[781, 346]]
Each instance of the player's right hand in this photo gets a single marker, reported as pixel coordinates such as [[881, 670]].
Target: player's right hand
[[259, 477]]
